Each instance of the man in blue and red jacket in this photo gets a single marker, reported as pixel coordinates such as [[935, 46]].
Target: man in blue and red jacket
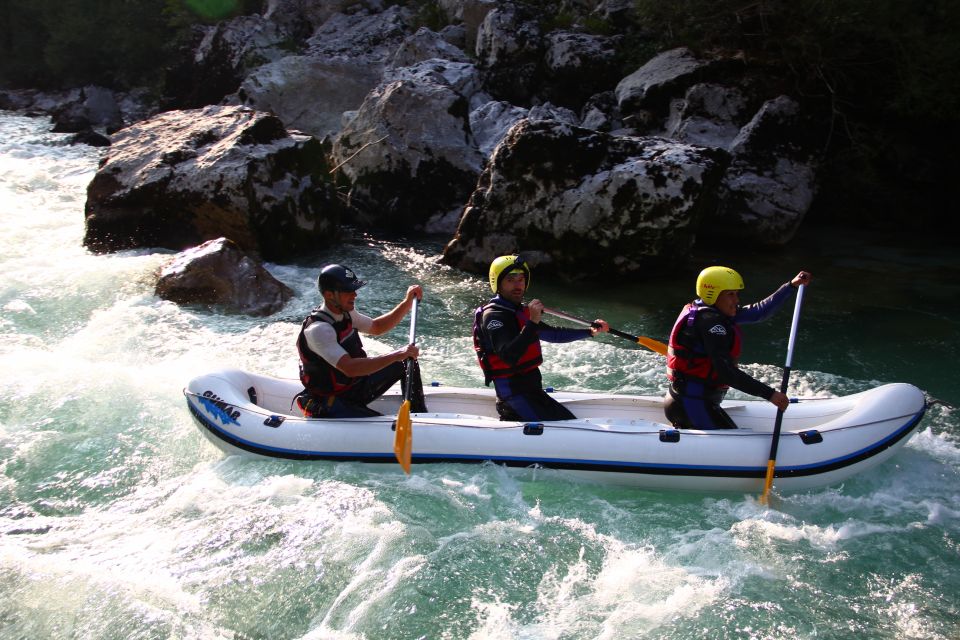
[[506, 337], [705, 344]]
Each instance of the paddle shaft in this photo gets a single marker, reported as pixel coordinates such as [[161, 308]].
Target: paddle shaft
[[403, 440], [775, 442], [412, 340], [650, 343]]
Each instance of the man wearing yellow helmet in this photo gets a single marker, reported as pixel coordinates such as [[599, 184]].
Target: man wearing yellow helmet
[[704, 347], [506, 337]]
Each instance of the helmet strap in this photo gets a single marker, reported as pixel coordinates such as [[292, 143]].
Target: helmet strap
[[332, 300]]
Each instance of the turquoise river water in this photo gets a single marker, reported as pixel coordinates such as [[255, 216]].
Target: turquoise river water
[[119, 520]]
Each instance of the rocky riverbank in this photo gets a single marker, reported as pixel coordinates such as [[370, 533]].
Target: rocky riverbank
[[502, 130]]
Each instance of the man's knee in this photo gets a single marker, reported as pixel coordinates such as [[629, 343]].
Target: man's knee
[[507, 412], [536, 406]]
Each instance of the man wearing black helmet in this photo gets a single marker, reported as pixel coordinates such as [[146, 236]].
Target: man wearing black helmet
[[506, 337], [338, 376]]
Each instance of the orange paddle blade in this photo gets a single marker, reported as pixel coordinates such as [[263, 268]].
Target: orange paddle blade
[[403, 442], [767, 483], [653, 345]]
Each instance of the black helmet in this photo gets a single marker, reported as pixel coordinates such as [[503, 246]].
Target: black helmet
[[336, 277]]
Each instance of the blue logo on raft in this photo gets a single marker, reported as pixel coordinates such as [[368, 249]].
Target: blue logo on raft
[[222, 411]]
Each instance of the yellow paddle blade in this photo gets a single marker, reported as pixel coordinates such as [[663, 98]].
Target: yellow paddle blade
[[653, 345], [403, 442], [768, 482]]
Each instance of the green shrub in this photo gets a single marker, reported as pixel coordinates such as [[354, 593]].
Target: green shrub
[[50, 44], [894, 58]]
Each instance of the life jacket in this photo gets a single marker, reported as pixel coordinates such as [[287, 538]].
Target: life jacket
[[493, 365], [319, 377], [687, 358]]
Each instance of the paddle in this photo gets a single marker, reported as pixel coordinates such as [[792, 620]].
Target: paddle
[[771, 463], [403, 441], [649, 343]]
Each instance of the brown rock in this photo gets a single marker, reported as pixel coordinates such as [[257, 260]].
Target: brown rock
[[219, 273]]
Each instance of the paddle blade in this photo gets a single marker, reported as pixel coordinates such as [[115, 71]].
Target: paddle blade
[[418, 403], [767, 483], [403, 441], [653, 345]]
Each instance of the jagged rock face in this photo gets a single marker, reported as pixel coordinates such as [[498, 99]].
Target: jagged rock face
[[408, 151], [585, 204], [470, 14], [305, 16], [509, 53], [425, 45], [221, 57], [709, 114], [343, 61], [578, 65], [220, 274], [94, 107], [652, 85], [771, 181], [184, 177], [412, 122]]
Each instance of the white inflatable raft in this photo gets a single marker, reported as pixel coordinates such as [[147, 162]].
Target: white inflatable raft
[[615, 438]]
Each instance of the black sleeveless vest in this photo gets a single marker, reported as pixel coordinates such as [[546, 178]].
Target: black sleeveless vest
[[319, 377]]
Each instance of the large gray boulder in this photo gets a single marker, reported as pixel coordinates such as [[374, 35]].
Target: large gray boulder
[[425, 45], [221, 56], [576, 66], [668, 74], [470, 14], [771, 181], [774, 144], [306, 16], [709, 114], [94, 108], [509, 52], [408, 152], [585, 204], [220, 274], [491, 121], [343, 61], [184, 177], [224, 54]]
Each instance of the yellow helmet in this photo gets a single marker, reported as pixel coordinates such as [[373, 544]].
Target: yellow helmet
[[713, 280], [504, 265]]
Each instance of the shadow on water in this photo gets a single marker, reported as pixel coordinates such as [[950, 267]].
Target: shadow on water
[[881, 308]]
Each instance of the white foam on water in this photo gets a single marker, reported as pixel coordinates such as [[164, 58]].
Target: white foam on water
[[116, 512], [69, 574], [632, 590], [937, 441], [19, 306], [175, 545], [824, 538], [903, 607], [592, 365]]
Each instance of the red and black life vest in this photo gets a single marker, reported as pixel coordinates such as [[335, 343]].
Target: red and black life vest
[[687, 358], [493, 365], [319, 377]]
